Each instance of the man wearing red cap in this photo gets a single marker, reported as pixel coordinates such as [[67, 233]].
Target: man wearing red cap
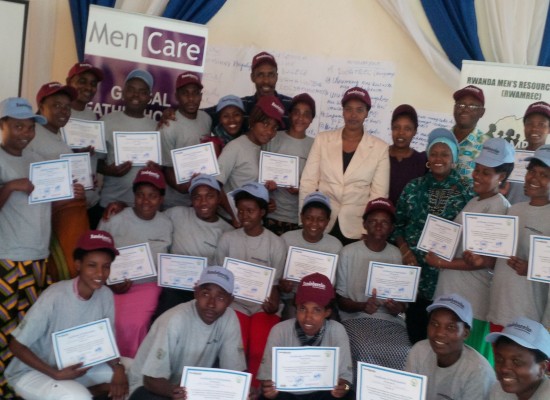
[[468, 109]]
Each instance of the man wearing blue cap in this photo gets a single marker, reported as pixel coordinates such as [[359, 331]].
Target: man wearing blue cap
[[25, 229], [195, 334], [454, 370]]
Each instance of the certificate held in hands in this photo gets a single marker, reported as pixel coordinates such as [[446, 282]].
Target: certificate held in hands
[[134, 262], [215, 384], [539, 259], [391, 281], [253, 282], [52, 181], [90, 344], [198, 159], [280, 168], [490, 234], [137, 147], [80, 133], [380, 383], [81, 169], [302, 262], [179, 272], [440, 236]]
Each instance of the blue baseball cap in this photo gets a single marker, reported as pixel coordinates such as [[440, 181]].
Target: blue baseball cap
[[526, 333], [542, 154], [495, 152], [206, 180], [230, 100], [457, 304], [317, 197], [19, 108], [219, 276], [145, 76], [442, 135], [255, 189]]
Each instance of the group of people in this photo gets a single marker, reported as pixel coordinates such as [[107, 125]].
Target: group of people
[[358, 197]]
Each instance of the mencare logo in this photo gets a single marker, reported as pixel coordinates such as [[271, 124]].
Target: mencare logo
[[172, 46]]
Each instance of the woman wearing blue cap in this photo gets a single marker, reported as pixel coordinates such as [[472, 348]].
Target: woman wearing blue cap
[[441, 192], [230, 113]]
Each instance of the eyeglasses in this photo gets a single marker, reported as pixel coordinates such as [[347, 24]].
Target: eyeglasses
[[470, 107]]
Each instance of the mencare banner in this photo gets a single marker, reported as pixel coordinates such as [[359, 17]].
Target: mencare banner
[[509, 89], [118, 42]]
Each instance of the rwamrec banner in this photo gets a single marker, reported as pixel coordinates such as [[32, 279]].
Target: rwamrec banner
[[118, 42], [509, 89]]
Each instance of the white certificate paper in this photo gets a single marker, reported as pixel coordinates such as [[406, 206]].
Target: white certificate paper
[[52, 181], [281, 168], [490, 235], [91, 344], [137, 147], [520, 166], [134, 262], [301, 262], [179, 272], [215, 384], [380, 383], [253, 282], [198, 159], [81, 169], [392, 281], [539, 259], [440, 236], [79, 133], [297, 369]]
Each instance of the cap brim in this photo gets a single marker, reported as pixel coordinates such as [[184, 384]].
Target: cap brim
[[493, 337], [434, 307]]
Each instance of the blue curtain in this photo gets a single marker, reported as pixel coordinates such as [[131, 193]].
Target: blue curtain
[[544, 56], [79, 13], [455, 25], [198, 11]]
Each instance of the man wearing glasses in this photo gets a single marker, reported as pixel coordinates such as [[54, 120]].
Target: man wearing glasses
[[468, 109]]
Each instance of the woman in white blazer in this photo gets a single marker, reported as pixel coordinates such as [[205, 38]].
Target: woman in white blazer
[[350, 166]]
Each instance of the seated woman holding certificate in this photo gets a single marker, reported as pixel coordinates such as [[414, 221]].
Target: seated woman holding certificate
[[441, 192], [377, 332], [135, 302], [33, 372], [311, 327], [254, 244], [512, 294], [469, 274]]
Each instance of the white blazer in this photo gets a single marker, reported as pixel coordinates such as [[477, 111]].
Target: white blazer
[[367, 178]]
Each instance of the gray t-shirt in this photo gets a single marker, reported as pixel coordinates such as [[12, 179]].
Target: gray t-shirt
[[239, 163], [542, 393], [25, 229], [180, 133], [471, 377], [472, 285], [287, 203], [120, 188], [265, 249], [180, 338], [352, 273], [327, 244], [512, 295], [47, 144], [284, 335], [128, 229], [194, 237], [57, 308]]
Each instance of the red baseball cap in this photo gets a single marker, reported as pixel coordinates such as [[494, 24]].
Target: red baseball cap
[[408, 110], [273, 108], [470, 90], [51, 88], [151, 175], [540, 107], [262, 58], [188, 77], [316, 288], [306, 99], [85, 66], [97, 240], [380, 204], [357, 93]]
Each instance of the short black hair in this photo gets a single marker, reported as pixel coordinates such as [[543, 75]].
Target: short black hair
[[507, 168], [135, 187], [539, 355], [79, 254], [535, 162], [247, 196], [316, 204]]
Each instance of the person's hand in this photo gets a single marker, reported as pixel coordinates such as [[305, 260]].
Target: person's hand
[[271, 206], [269, 306], [293, 190], [118, 170], [268, 389], [394, 307], [285, 286], [118, 388], [518, 265], [169, 114], [179, 392], [434, 260], [473, 260], [70, 373], [21, 185], [113, 209], [79, 191], [122, 287], [372, 303], [270, 185], [89, 149], [407, 254], [341, 389]]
